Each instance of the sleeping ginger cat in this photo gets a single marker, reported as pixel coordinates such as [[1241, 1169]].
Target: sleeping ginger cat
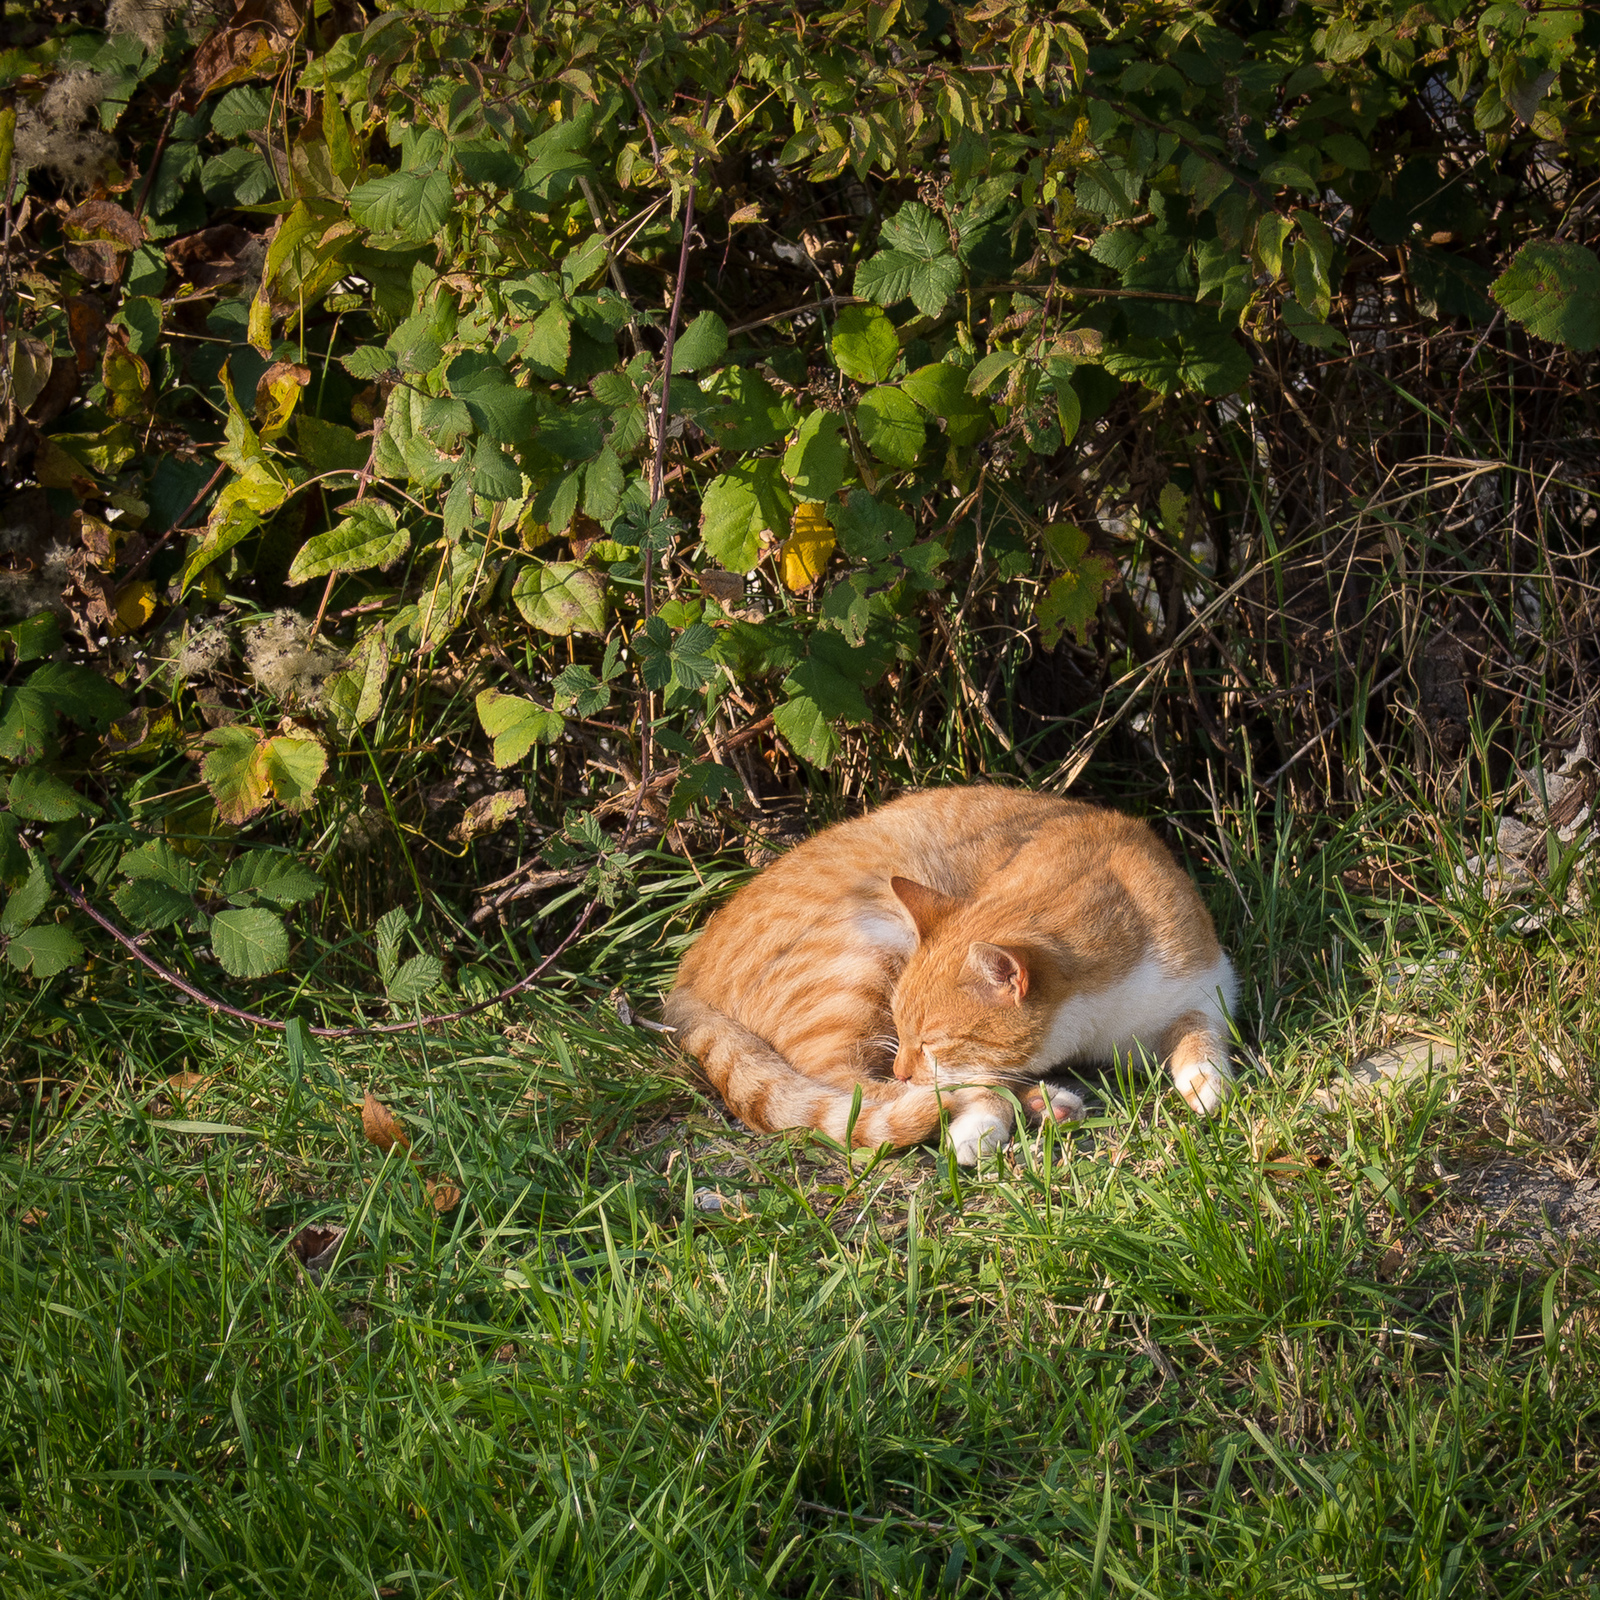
[[960, 937]]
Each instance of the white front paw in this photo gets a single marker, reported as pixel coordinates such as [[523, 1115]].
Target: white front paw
[[1203, 1084], [977, 1135]]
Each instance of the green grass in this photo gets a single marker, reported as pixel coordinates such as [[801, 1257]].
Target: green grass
[[1282, 1353]]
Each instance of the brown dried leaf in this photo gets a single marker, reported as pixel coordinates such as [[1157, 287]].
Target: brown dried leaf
[[188, 1085], [444, 1194], [380, 1125], [98, 235], [313, 1243], [251, 42], [86, 327], [491, 812], [33, 1216], [726, 588], [213, 256]]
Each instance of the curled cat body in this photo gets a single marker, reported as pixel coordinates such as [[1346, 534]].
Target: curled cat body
[[950, 941]]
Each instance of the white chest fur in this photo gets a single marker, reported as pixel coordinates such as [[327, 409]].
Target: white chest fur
[[1132, 1014]]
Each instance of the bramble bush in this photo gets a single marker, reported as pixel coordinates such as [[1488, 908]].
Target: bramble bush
[[444, 443]]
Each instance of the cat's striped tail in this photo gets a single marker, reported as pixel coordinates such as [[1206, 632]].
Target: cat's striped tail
[[765, 1092]]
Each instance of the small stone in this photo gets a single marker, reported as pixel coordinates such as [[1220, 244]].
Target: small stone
[[1399, 1063]]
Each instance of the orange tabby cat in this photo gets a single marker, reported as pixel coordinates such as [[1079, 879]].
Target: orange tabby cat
[[950, 940]]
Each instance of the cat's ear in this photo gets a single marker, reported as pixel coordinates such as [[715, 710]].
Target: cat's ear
[[927, 906], [1000, 975]]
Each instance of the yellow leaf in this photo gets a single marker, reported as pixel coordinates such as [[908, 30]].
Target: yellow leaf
[[259, 327], [806, 550], [136, 604]]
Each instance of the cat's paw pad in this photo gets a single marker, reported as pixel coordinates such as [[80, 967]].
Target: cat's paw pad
[[977, 1135], [1065, 1106], [1203, 1084]]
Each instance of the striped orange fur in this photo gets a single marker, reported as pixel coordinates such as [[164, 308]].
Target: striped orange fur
[[949, 941]]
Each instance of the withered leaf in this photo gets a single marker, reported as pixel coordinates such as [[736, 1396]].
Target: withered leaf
[[86, 327], [444, 1194], [315, 1249], [98, 235], [491, 812], [251, 42], [380, 1125], [188, 1085], [726, 588], [212, 257]]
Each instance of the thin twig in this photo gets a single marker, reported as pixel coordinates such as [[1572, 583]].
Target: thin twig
[[155, 160]]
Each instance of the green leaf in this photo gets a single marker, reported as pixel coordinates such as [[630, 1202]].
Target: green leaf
[[990, 370], [1209, 363], [745, 412], [41, 796], [892, 276], [43, 952], [1074, 597], [369, 536], [942, 390], [547, 345], [701, 344], [577, 692], [818, 461], [147, 903], [232, 771], [495, 475], [24, 904], [683, 661], [32, 637], [1553, 290], [1307, 328], [870, 530], [741, 505], [29, 713], [294, 768], [500, 411], [414, 205], [891, 425], [806, 731], [516, 725], [865, 345], [271, 875], [329, 446], [701, 781], [420, 976], [249, 943], [160, 863], [833, 674], [561, 597]]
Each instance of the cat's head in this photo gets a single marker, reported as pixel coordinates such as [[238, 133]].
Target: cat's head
[[966, 1009]]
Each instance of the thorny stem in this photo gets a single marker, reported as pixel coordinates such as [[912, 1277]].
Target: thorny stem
[[155, 160]]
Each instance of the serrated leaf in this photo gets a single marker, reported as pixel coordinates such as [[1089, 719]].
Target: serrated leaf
[[271, 875], [43, 952], [942, 390], [234, 774], [865, 345], [818, 461], [738, 507], [806, 731], [1553, 290], [1074, 597], [148, 903], [561, 598], [700, 345], [367, 537], [24, 904], [294, 768], [41, 796], [891, 426], [414, 205], [249, 943], [516, 725], [547, 345], [892, 276], [420, 976], [157, 860]]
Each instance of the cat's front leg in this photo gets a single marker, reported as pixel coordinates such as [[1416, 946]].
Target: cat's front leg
[[980, 1125], [1197, 1056]]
